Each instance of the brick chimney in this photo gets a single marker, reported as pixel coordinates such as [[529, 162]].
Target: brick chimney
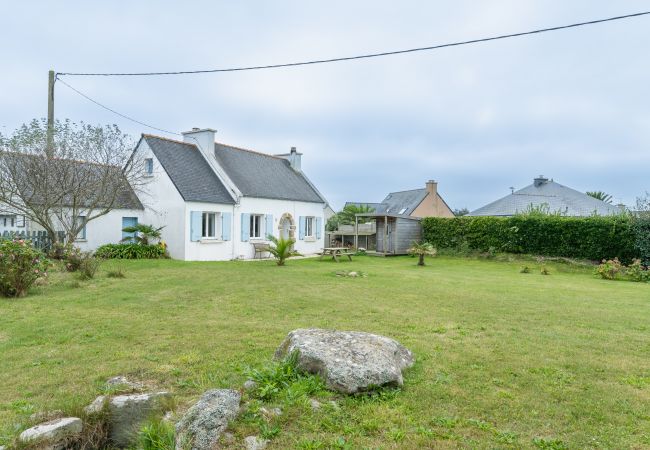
[[432, 188]]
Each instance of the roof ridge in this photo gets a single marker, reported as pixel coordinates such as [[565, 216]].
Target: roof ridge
[[408, 190], [167, 139], [234, 147]]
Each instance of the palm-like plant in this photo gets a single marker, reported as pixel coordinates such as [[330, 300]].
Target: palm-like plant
[[422, 249], [281, 249], [143, 234], [600, 195]]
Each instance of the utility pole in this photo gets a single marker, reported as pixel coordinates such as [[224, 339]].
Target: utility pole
[[50, 111]]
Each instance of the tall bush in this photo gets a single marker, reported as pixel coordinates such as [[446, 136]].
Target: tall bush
[[20, 266], [642, 238], [595, 238]]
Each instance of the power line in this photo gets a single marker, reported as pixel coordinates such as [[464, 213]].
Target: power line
[[116, 112], [366, 56]]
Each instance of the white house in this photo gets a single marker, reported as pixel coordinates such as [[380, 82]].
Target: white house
[[215, 201]]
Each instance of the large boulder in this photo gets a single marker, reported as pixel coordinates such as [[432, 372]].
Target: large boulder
[[127, 412], [348, 361], [53, 435], [203, 423]]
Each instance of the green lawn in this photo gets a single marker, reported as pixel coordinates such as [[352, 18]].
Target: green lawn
[[504, 359]]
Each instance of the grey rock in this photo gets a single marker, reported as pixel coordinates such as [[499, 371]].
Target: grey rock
[[315, 404], [348, 361], [124, 382], [127, 412], [250, 385], [96, 406], [53, 435], [255, 443], [203, 423], [353, 274]]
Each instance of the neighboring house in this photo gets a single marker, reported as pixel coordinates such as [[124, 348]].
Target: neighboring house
[[414, 204], [215, 200], [424, 202], [11, 223], [547, 196]]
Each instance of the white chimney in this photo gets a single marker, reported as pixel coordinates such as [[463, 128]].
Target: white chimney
[[293, 157], [203, 139]]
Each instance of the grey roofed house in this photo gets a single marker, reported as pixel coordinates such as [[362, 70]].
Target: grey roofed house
[[189, 171], [400, 203], [551, 197], [265, 176], [254, 174]]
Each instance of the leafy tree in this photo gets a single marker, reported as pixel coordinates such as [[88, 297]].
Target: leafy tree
[[348, 213], [82, 173], [281, 249], [422, 249], [143, 234], [600, 195], [461, 212]]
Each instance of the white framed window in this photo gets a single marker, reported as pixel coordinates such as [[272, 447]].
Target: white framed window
[[256, 226], [210, 225], [148, 166], [310, 227], [82, 233]]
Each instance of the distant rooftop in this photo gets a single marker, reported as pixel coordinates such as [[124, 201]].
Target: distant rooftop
[[551, 197]]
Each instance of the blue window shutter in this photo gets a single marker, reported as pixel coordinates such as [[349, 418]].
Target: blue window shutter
[[196, 222], [269, 224], [245, 227], [319, 225], [301, 231], [226, 219]]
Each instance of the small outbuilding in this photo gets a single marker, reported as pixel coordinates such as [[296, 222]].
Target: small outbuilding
[[395, 232]]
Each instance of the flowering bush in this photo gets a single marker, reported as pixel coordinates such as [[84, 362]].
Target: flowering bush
[[609, 269], [20, 266], [69, 254], [636, 272]]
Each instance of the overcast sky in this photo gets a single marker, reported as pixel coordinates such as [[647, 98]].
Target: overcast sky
[[573, 105]]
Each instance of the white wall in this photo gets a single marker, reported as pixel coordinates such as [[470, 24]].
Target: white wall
[[207, 249], [106, 229], [249, 205], [164, 205]]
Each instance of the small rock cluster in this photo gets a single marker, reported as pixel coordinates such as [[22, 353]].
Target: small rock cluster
[[348, 361], [124, 415], [353, 274]]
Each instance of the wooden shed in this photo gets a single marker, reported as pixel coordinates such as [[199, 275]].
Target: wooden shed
[[395, 233]]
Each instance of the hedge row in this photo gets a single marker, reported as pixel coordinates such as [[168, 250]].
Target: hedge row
[[595, 238], [131, 251]]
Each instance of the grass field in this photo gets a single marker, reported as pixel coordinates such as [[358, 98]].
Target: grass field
[[504, 359]]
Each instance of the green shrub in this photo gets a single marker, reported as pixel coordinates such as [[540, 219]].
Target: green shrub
[[20, 266], [131, 251], [609, 269], [594, 238], [69, 254], [88, 266], [636, 272], [642, 238]]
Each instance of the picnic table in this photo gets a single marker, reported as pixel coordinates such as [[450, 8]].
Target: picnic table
[[335, 252]]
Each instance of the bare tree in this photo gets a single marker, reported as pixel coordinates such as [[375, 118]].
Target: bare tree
[[85, 173], [643, 205]]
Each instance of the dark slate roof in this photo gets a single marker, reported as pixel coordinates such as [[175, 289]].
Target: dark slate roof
[[265, 176], [189, 171], [552, 196], [403, 202]]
